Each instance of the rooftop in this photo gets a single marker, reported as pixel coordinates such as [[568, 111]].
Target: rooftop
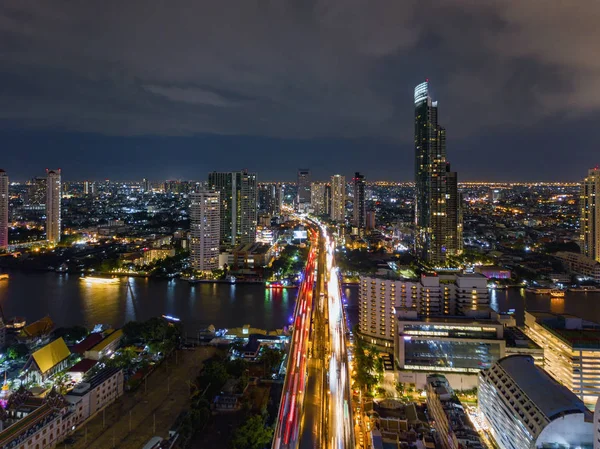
[[38, 328], [83, 366], [86, 344], [577, 338], [552, 398], [516, 338], [51, 355], [108, 340]]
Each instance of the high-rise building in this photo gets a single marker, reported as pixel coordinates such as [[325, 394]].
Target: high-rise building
[[238, 198], [318, 198], [380, 297], [371, 219], [360, 206], [204, 230], [590, 215], [525, 408], [53, 205], [454, 228], [338, 198], [303, 187], [3, 209], [36, 191], [269, 199], [435, 234]]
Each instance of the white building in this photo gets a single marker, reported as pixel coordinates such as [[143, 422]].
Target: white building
[[431, 295], [338, 198], [589, 222], [318, 198], [53, 205], [87, 398], [204, 230], [3, 209], [580, 264], [571, 350], [526, 408]]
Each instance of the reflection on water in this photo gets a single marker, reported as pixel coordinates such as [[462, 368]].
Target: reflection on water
[[557, 305], [69, 301]]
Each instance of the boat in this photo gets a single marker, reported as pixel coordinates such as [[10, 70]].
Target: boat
[[585, 288], [557, 293], [99, 280], [540, 290], [3, 277]]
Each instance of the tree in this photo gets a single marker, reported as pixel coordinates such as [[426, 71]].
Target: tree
[[212, 378], [400, 388], [271, 358], [61, 382], [254, 434], [17, 351]]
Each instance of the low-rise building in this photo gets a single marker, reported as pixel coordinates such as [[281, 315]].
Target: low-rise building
[[580, 264], [91, 396], [251, 256], [571, 350], [526, 408], [106, 346], [36, 331], [457, 346], [494, 272], [35, 423], [453, 427], [47, 361]]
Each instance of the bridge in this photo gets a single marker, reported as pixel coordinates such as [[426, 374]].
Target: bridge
[[315, 409]]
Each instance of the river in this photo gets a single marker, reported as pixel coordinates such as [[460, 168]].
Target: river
[[68, 301]]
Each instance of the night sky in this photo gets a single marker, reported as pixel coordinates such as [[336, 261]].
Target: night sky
[[174, 89]]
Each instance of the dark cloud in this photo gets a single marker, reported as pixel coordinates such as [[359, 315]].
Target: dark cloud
[[341, 69]]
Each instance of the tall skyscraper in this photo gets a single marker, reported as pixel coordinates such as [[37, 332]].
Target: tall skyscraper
[[53, 205], [589, 203], [360, 211], [303, 195], [318, 198], [338, 198], [238, 198], [3, 209], [436, 236], [204, 230]]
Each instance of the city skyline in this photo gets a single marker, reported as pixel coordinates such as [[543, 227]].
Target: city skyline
[[327, 87]]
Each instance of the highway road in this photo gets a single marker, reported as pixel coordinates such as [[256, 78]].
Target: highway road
[[315, 410]]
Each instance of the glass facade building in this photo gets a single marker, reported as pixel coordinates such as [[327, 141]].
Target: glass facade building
[[448, 344], [438, 221]]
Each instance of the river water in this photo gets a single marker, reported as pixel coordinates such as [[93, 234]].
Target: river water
[[68, 301]]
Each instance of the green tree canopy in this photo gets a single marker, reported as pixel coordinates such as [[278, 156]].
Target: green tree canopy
[[254, 434]]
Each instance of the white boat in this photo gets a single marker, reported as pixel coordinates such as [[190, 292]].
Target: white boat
[[3, 277], [99, 280]]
